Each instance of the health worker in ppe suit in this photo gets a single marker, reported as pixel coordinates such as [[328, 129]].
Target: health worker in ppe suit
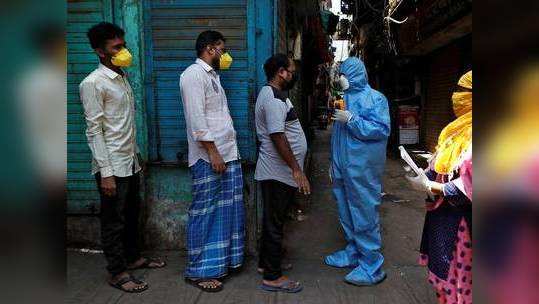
[[358, 155]]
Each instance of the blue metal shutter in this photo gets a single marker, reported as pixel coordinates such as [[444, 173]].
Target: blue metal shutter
[[171, 28], [82, 196]]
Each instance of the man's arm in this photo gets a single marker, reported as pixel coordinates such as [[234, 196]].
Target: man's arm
[[216, 160], [285, 151], [92, 101], [193, 96], [275, 113], [375, 126]]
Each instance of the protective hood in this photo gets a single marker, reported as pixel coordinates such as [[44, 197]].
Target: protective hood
[[354, 70]]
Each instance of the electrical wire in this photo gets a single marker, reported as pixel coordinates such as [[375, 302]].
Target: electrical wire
[[391, 11], [396, 21]]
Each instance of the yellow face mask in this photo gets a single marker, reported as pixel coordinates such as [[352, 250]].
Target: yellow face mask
[[122, 59], [225, 61]]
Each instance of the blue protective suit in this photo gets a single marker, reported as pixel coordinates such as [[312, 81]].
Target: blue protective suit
[[358, 160]]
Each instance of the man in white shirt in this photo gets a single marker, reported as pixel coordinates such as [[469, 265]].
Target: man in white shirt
[[109, 109], [215, 229]]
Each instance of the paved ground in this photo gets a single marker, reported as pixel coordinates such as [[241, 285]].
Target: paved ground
[[308, 242]]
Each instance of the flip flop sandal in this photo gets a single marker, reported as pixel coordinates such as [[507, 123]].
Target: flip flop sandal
[[119, 285], [147, 262], [287, 286], [197, 284]]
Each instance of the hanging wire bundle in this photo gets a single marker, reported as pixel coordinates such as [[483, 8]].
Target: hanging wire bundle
[[390, 9]]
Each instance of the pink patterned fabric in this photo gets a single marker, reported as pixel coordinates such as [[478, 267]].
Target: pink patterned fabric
[[466, 171], [532, 180], [457, 288]]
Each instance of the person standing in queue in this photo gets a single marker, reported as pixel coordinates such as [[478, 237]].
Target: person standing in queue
[[215, 228], [279, 168]]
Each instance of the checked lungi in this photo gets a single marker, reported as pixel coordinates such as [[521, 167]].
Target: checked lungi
[[215, 229]]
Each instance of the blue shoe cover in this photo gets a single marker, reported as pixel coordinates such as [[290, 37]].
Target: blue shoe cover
[[359, 277], [340, 259]]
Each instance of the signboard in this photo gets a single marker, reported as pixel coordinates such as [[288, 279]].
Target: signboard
[[408, 125]]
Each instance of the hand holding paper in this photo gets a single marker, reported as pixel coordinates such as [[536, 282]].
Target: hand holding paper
[[418, 179], [406, 157], [420, 183]]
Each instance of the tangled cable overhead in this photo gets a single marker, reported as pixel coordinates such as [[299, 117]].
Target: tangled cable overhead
[[390, 9]]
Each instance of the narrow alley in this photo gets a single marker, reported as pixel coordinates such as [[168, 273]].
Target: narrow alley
[[396, 63], [307, 243]]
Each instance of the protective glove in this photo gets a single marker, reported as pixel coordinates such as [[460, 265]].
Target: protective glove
[[419, 182], [342, 116]]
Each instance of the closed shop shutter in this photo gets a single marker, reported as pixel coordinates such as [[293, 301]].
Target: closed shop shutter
[[82, 196], [171, 28], [444, 68]]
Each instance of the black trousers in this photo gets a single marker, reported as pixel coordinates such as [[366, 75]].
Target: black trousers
[[119, 223], [276, 198]]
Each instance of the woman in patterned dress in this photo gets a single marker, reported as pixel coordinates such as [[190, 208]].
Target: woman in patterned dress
[[446, 246]]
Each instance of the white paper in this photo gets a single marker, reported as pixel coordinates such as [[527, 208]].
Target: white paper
[[406, 157]]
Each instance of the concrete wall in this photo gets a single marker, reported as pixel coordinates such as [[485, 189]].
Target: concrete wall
[[167, 201], [83, 231], [164, 212]]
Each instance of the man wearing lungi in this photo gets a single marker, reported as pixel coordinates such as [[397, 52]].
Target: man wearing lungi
[[215, 229]]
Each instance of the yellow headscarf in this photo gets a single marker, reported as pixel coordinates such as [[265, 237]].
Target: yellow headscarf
[[456, 137]]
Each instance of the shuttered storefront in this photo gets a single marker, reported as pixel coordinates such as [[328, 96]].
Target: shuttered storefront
[[444, 68], [82, 196], [171, 28]]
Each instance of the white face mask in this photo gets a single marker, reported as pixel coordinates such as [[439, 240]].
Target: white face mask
[[343, 83]]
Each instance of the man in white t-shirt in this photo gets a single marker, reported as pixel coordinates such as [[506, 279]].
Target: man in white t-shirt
[[279, 168]]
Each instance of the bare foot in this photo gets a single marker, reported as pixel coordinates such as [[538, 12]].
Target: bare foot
[[282, 284], [212, 284], [277, 282], [207, 285]]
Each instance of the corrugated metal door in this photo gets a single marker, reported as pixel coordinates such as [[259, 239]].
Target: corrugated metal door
[[444, 67], [171, 28], [82, 196]]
